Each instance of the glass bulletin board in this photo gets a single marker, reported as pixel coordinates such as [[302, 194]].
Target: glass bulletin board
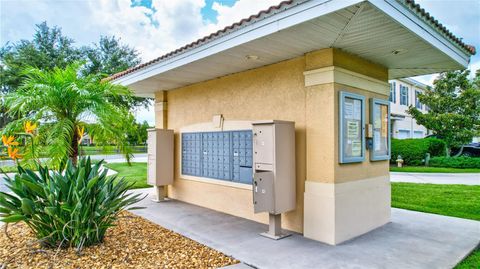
[[352, 131], [380, 119]]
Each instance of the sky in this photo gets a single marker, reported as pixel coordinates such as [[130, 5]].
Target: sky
[[155, 27]]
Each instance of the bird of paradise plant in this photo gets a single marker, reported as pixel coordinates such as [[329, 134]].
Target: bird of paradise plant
[[12, 145], [29, 127], [13, 154], [9, 141]]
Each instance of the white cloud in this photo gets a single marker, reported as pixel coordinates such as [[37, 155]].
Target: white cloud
[[240, 10]]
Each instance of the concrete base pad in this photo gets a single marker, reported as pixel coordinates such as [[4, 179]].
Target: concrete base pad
[[410, 240], [275, 237]]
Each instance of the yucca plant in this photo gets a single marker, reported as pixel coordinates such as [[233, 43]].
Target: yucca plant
[[72, 207]]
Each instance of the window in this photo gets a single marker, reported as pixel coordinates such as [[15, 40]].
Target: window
[[380, 119], [418, 134], [403, 134], [403, 95], [352, 131], [219, 155], [417, 101], [393, 97]]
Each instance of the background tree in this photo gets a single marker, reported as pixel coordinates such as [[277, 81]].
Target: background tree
[[65, 101], [453, 108], [50, 49], [108, 57], [138, 134]]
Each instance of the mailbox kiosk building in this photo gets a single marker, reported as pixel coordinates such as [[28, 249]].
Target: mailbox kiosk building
[[318, 67]]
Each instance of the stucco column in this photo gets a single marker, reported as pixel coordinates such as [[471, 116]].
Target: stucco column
[[341, 201], [161, 110]]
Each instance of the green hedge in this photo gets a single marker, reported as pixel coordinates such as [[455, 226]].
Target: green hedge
[[413, 150], [455, 162]]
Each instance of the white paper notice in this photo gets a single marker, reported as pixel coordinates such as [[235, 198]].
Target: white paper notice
[[348, 110], [356, 148], [357, 109], [353, 130]]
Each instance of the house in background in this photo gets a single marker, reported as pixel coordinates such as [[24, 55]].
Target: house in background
[[403, 93], [267, 119]]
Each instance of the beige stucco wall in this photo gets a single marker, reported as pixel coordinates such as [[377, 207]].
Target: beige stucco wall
[[276, 91], [272, 92]]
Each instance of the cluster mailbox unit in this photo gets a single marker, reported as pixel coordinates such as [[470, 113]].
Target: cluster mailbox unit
[[274, 171], [160, 159]]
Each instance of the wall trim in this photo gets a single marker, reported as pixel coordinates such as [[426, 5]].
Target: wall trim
[[160, 106], [336, 212], [335, 74]]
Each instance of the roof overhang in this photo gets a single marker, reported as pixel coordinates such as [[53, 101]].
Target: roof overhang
[[382, 31]]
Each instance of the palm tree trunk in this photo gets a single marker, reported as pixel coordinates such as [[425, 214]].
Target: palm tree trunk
[[74, 153]]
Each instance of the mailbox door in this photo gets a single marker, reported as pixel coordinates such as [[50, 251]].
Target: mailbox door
[[263, 199], [263, 144], [151, 157]]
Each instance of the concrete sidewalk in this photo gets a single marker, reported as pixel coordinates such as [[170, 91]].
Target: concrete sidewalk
[[411, 240], [436, 178]]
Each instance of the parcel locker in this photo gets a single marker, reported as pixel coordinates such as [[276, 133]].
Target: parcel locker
[[160, 157], [274, 184]]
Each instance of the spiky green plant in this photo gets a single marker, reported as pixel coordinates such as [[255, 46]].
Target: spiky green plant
[[73, 207]]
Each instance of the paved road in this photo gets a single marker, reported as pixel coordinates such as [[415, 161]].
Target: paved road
[[436, 178]]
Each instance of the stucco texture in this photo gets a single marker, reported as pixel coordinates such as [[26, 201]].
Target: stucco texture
[[272, 92]]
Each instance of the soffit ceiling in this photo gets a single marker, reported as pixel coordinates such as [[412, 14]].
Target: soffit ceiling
[[361, 29]]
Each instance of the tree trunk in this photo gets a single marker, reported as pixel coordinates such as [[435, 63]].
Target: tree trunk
[[459, 152], [74, 153]]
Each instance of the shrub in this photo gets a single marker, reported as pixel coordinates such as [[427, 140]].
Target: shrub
[[413, 151], [455, 162], [69, 208]]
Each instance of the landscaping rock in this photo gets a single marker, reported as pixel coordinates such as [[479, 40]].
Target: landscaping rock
[[133, 243]]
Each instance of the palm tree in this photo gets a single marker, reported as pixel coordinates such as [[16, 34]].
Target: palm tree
[[63, 101]]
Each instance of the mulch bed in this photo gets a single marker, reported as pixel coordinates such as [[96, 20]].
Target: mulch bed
[[133, 243]]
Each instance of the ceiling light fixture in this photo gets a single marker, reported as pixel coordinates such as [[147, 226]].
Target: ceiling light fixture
[[252, 57], [399, 51]]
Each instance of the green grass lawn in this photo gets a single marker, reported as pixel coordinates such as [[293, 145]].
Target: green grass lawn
[[461, 201], [424, 169], [136, 173]]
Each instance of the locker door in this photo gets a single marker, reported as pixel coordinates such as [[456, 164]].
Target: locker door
[[263, 144], [263, 199]]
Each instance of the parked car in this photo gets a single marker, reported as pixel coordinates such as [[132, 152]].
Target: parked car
[[471, 150]]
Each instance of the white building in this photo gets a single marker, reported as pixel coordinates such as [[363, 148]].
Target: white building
[[403, 93]]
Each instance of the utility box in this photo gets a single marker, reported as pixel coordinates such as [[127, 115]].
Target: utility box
[[274, 170], [160, 157]]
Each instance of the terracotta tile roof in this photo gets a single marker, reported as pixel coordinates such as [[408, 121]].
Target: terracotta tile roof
[[429, 18], [273, 10]]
